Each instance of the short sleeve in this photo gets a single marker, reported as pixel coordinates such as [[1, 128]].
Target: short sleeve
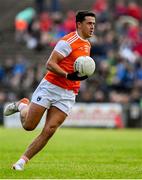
[[63, 47]]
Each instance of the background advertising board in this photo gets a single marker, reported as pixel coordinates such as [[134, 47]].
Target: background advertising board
[[83, 115]]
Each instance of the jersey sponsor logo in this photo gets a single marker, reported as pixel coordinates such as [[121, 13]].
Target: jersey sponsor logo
[[85, 48]]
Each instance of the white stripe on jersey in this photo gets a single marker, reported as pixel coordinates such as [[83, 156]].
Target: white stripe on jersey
[[72, 37], [72, 40]]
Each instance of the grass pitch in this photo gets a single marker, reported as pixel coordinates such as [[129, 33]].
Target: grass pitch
[[75, 153]]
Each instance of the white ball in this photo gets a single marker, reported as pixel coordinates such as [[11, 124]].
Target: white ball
[[85, 65]]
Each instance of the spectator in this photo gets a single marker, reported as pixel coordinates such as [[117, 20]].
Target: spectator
[[2, 101], [2, 73], [134, 10], [22, 21], [69, 23], [120, 8]]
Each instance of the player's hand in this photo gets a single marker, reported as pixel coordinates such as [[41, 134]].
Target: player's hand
[[75, 76]]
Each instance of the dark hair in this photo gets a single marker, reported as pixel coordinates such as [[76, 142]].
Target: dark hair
[[80, 16]]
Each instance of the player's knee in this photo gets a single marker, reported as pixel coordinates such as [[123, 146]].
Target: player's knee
[[28, 127], [50, 130]]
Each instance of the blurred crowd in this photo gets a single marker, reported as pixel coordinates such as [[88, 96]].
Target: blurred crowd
[[116, 49], [19, 77]]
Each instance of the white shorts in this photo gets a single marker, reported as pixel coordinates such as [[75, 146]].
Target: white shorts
[[48, 94]]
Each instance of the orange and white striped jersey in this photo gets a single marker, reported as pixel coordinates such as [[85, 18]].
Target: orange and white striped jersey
[[71, 47]]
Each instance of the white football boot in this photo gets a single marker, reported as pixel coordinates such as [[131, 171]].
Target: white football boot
[[10, 109], [13, 107], [18, 166]]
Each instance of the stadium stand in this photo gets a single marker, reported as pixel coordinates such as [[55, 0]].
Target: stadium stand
[[116, 49]]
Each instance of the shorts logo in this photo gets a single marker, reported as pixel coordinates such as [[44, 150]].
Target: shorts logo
[[38, 98]]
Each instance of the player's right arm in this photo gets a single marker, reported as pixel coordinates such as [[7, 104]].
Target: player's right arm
[[52, 64], [61, 50]]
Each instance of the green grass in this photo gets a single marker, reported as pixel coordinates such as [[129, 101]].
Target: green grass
[[75, 153]]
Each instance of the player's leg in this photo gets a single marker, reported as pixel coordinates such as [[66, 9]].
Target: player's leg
[[31, 116], [54, 119], [30, 113]]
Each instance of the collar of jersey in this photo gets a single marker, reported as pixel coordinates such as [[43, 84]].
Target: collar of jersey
[[81, 37]]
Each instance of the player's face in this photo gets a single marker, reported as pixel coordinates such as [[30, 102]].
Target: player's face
[[87, 26]]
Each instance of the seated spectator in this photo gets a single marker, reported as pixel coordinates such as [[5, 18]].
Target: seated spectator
[[2, 73], [99, 6], [135, 96], [33, 37], [22, 21], [137, 48], [19, 69], [124, 78], [8, 68], [134, 10], [69, 22], [120, 8], [45, 22], [138, 74], [101, 9]]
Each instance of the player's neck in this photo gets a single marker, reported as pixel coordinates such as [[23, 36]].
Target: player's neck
[[81, 35]]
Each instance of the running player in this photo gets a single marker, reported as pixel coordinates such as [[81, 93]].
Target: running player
[[56, 92]]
